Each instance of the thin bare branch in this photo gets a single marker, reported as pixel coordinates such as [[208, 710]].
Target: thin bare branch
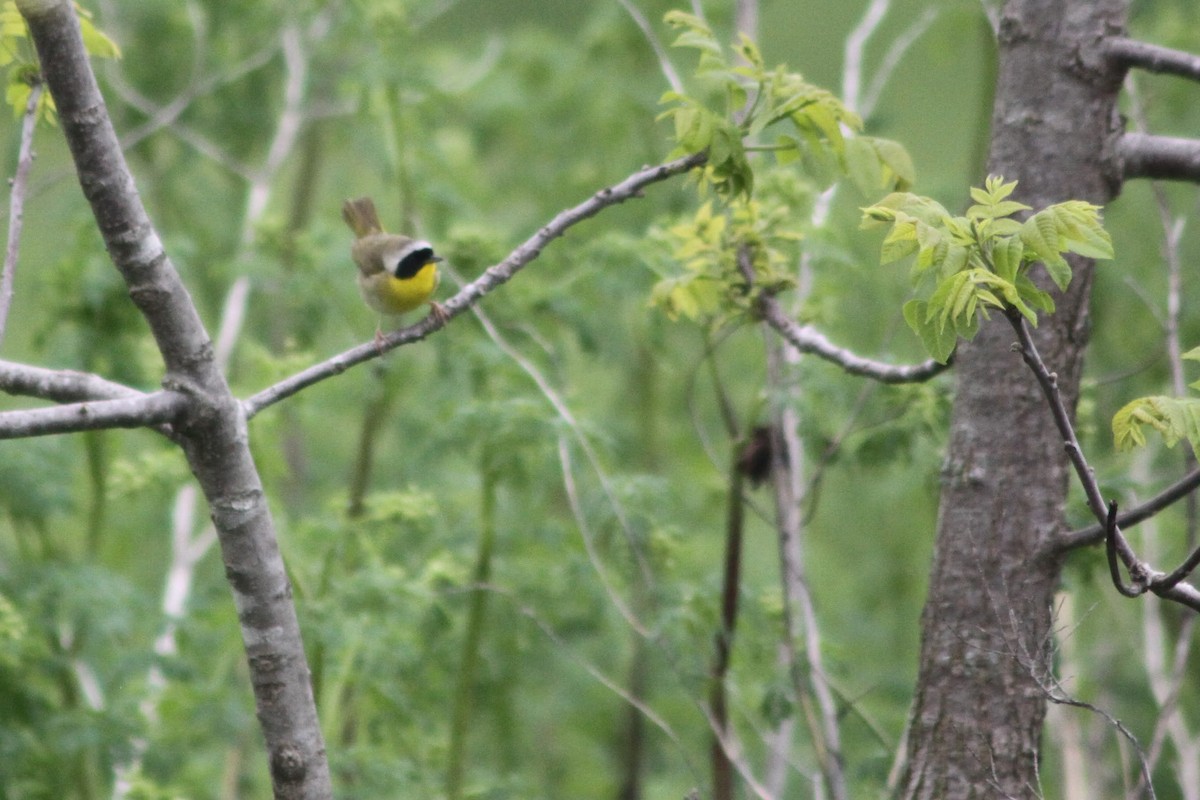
[[808, 339], [130, 412], [810, 682], [1094, 534], [892, 58], [16, 206], [1166, 158], [660, 52], [1057, 694], [853, 61], [287, 129], [1127, 53], [59, 385], [490, 280]]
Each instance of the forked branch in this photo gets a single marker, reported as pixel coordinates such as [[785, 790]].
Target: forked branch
[[1143, 577]]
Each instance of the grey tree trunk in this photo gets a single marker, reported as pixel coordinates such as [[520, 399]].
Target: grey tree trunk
[[978, 712]]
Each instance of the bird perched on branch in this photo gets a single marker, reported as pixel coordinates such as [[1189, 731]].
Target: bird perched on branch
[[395, 273]]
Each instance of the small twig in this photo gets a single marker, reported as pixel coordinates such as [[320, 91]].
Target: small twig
[[16, 206], [1182, 571], [1110, 549], [1093, 534], [490, 280], [1056, 694]]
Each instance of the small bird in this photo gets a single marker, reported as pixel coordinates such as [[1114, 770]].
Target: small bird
[[395, 273]]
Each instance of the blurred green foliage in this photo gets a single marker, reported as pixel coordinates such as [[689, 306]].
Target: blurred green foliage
[[472, 122]]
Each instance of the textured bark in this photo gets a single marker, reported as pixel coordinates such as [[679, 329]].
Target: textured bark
[[979, 710], [211, 427]]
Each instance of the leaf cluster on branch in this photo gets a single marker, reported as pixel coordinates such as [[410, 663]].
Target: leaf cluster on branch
[[966, 265]]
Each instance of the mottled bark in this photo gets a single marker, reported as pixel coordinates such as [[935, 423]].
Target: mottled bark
[[978, 716], [210, 424]]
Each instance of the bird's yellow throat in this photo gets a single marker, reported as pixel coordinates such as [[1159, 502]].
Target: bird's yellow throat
[[398, 295]]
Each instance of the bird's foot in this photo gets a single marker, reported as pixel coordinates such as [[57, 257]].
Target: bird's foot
[[438, 312]]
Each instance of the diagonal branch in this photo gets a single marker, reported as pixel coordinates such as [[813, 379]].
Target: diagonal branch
[[490, 280], [16, 206], [808, 339], [1127, 53], [1167, 158]]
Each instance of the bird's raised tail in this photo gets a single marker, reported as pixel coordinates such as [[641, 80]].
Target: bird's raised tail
[[361, 216]]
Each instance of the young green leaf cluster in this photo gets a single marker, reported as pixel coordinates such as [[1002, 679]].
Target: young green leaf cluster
[[748, 97], [18, 58], [966, 265], [1175, 418], [815, 143], [712, 286]]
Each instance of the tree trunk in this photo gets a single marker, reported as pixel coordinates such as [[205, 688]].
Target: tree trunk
[[979, 708]]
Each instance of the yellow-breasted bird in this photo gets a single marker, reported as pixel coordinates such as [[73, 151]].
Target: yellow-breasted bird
[[395, 273]]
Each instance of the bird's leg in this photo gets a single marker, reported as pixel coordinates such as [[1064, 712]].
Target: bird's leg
[[438, 312], [379, 336]]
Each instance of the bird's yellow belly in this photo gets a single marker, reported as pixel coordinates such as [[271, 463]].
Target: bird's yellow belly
[[388, 294]]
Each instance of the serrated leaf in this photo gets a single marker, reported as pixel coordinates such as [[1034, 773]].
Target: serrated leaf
[[698, 41], [1007, 254], [1160, 413], [953, 258], [1059, 271], [95, 41], [1002, 209], [938, 343], [862, 164], [897, 160], [1030, 293]]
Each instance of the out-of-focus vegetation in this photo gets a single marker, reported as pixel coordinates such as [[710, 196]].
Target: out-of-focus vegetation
[[472, 123]]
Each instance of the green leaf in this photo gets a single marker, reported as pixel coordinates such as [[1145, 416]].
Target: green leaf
[[864, 167], [1174, 418], [939, 342], [1059, 271], [897, 160]]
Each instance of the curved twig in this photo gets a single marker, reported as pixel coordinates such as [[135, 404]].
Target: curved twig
[[1110, 549], [808, 339]]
